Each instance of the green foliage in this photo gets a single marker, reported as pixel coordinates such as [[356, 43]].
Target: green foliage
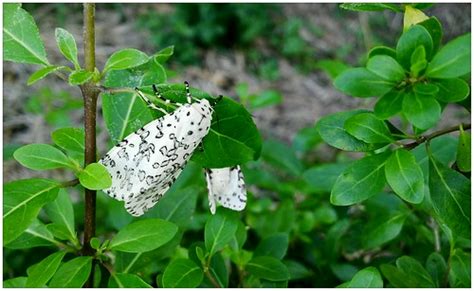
[[39, 274], [95, 177], [67, 46], [72, 274], [42, 157], [366, 278], [182, 273]]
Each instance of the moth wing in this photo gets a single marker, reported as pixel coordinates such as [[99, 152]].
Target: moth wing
[[227, 187], [210, 193]]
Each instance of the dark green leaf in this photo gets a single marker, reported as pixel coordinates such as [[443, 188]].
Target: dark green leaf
[[366, 278], [418, 61], [21, 39], [405, 177], [125, 58], [72, 274], [331, 129], [41, 73], [143, 236], [71, 140], [268, 268], [274, 245], [22, 201], [436, 267], [164, 54], [433, 26], [386, 67], [412, 268], [282, 157], [451, 90], [453, 60], [385, 231], [460, 272], [61, 212], [79, 77], [360, 181], [322, 178], [382, 50], [42, 157], [422, 111], [396, 277], [127, 281], [219, 230], [389, 104], [451, 197], [297, 270], [360, 82], [368, 128], [332, 67], [409, 41], [35, 235], [443, 148], [67, 45], [372, 7], [18, 282], [40, 273], [182, 273], [95, 177], [463, 157]]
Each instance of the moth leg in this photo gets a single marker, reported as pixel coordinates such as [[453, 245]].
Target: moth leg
[[148, 102], [158, 95]]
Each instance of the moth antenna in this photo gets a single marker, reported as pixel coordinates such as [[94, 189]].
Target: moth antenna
[[148, 102]]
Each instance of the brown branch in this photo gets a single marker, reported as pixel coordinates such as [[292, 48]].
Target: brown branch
[[90, 94], [435, 134], [70, 183]]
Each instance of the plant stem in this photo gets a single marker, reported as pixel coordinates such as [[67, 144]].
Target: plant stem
[[436, 134], [90, 94]]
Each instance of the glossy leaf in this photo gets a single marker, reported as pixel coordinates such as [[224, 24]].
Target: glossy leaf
[[463, 157], [460, 272], [422, 111], [125, 59], [412, 268], [360, 82], [177, 206], [382, 50], [219, 230], [389, 104], [122, 280], [18, 282], [164, 54], [71, 140], [433, 26], [182, 273], [412, 16], [453, 60], [40, 273], [95, 177], [451, 90], [22, 201], [436, 267], [268, 268], [385, 231], [67, 45], [409, 41], [36, 235], [366, 278], [451, 197], [274, 246], [360, 181], [72, 274], [386, 67], [368, 128], [42, 157], [22, 42], [41, 73], [405, 176], [143, 236], [80, 77], [61, 212]]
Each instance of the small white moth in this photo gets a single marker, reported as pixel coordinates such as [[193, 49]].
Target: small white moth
[[226, 186], [145, 164]]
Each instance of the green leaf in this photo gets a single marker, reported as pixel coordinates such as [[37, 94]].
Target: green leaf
[[274, 245], [306, 139], [386, 67], [182, 273], [67, 46], [41, 73], [265, 99], [332, 67], [451, 90], [405, 177], [71, 140], [95, 243], [453, 60], [360, 181], [389, 104], [412, 16], [164, 54], [422, 111], [409, 41], [451, 197], [463, 157], [460, 272], [396, 277], [322, 178], [18, 282], [42, 157], [385, 231], [436, 267], [268, 268], [219, 230], [433, 26], [233, 138], [21, 39], [372, 6], [127, 281], [125, 58], [443, 148], [95, 177], [366, 278], [61, 212], [143, 236], [382, 50], [22, 201], [418, 61], [331, 129], [360, 82], [40, 273], [36, 235], [368, 128], [72, 274], [282, 157], [412, 268], [80, 77]]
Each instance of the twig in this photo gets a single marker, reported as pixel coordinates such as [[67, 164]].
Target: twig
[[70, 183], [435, 134]]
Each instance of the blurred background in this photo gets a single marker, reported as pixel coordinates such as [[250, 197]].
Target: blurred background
[[278, 60]]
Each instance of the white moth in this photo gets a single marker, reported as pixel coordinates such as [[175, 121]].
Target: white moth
[[226, 186], [144, 165]]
